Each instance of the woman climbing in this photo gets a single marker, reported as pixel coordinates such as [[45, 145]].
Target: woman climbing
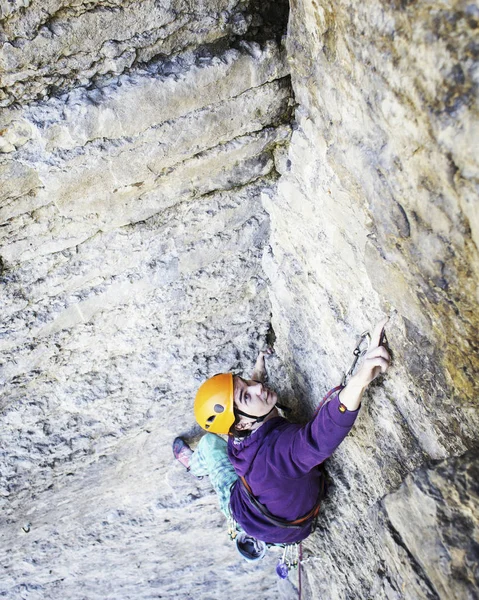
[[268, 475]]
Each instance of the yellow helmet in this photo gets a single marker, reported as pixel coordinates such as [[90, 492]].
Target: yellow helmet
[[214, 404]]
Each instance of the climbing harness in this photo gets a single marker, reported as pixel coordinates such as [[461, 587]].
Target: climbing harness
[[360, 350], [277, 521]]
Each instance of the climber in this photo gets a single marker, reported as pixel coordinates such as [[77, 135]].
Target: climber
[[268, 475]]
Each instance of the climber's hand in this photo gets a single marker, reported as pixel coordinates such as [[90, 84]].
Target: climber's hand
[[376, 361], [268, 351]]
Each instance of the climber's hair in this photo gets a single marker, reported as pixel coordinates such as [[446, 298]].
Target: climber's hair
[[238, 433]]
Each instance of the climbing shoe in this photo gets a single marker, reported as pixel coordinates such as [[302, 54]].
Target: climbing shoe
[[249, 547], [182, 452]]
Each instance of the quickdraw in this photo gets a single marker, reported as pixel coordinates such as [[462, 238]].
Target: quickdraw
[[289, 560], [360, 350]]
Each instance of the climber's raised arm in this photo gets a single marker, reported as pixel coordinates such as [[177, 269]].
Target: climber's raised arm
[[314, 442], [376, 361]]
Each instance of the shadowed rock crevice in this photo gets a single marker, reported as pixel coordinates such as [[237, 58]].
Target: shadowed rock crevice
[[51, 49]]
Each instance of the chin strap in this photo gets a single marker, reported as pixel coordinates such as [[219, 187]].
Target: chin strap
[[257, 419]]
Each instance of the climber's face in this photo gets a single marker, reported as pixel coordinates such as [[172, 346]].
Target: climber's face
[[252, 398]]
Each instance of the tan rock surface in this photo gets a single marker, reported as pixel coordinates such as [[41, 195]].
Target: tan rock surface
[[376, 214]]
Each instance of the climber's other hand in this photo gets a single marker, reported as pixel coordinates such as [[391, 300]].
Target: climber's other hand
[[259, 372], [268, 351]]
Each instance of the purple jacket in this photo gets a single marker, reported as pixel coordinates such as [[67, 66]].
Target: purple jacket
[[280, 463]]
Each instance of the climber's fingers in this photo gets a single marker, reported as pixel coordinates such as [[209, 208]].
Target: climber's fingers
[[259, 372], [268, 351], [378, 331], [378, 352], [376, 361], [377, 364]]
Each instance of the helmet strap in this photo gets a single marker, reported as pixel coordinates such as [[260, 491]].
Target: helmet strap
[[256, 419]]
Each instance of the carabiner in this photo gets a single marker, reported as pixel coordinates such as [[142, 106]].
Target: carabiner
[[358, 352]]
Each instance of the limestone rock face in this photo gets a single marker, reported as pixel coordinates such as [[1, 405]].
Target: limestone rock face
[[418, 542], [164, 213], [432, 516], [59, 44], [93, 161], [376, 214]]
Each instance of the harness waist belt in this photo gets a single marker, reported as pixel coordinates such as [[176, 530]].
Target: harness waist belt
[[278, 521]]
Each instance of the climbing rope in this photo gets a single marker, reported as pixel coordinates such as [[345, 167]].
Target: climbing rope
[[299, 569]]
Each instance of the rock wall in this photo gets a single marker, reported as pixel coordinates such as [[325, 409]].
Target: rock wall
[[377, 215], [137, 139], [158, 217]]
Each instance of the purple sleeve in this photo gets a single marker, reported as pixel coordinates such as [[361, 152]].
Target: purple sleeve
[[297, 450]]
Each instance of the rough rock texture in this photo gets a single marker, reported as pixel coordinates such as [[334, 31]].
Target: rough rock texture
[[432, 519], [377, 214], [132, 236], [93, 161], [156, 219], [60, 44]]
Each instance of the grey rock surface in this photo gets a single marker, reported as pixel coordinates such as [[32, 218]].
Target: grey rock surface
[[58, 44], [132, 236], [433, 517], [183, 183]]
